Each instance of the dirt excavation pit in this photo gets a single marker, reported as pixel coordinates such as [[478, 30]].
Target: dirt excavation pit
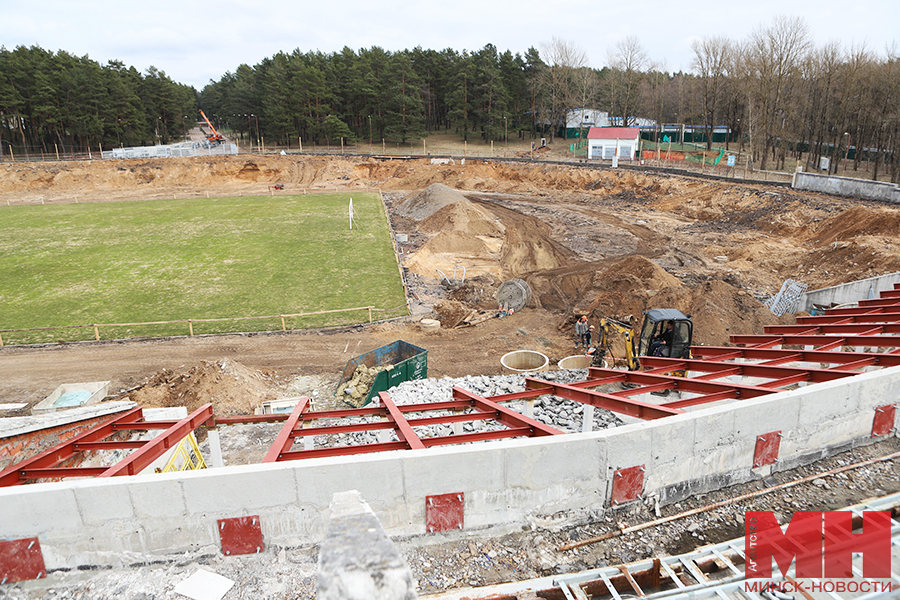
[[599, 242]]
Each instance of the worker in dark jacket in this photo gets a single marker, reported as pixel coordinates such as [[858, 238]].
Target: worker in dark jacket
[[582, 333], [662, 344]]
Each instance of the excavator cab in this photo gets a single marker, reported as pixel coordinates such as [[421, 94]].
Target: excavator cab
[[656, 321]]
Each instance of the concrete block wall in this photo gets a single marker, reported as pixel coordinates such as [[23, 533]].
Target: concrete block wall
[[847, 186], [507, 484], [847, 292]]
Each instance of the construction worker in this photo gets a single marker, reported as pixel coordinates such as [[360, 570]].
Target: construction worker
[[662, 343], [582, 333]]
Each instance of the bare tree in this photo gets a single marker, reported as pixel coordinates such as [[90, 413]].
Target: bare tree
[[627, 60], [712, 58], [774, 55], [822, 73], [656, 98], [564, 61]]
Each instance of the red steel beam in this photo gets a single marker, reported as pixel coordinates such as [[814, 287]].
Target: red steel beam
[[457, 418], [153, 449], [793, 357], [111, 445], [61, 472], [504, 415], [864, 329], [696, 386], [143, 425], [863, 310], [335, 429], [879, 302], [432, 406], [811, 356], [706, 399], [880, 341], [634, 408], [628, 391], [51, 457], [401, 426], [284, 441], [837, 319], [343, 450], [342, 413], [241, 419], [480, 436], [721, 369]]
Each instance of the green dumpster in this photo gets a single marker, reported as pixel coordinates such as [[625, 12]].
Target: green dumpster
[[403, 362]]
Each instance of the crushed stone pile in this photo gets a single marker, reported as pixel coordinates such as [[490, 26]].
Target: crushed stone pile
[[564, 415]]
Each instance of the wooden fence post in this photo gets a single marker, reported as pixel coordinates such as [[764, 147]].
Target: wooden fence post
[[370, 314], [191, 327], [282, 323], [96, 333], [1, 341]]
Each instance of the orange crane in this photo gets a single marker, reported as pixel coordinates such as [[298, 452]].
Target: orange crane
[[216, 137]]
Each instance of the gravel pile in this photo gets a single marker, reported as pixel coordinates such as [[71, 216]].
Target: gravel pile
[[562, 414]]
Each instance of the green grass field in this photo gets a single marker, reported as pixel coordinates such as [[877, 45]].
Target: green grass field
[[164, 260]]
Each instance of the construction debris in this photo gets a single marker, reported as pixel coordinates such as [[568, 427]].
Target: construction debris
[[354, 392]]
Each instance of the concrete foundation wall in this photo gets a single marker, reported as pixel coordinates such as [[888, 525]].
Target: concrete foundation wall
[[847, 186], [509, 483], [848, 292]]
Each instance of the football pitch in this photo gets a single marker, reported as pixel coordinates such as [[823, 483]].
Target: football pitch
[[231, 259]]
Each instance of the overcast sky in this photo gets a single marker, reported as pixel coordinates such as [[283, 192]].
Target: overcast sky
[[194, 43]]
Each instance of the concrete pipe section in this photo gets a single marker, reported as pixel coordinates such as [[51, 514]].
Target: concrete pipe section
[[524, 361], [578, 361]]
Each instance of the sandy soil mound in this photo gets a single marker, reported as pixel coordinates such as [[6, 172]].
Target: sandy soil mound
[[463, 216], [858, 221], [430, 200], [448, 249], [633, 285], [231, 387]]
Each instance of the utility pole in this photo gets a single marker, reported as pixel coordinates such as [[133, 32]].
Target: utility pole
[[506, 136], [846, 152]]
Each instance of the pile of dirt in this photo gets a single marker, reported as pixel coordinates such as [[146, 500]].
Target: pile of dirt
[[461, 234], [423, 204], [232, 388], [463, 216], [629, 287], [857, 222]]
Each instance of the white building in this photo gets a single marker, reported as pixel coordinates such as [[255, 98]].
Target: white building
[[586, 118], [608, 142]]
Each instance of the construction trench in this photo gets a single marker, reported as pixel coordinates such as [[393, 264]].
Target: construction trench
[[773, 401]]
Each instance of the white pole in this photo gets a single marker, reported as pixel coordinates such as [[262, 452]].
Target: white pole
[[351, 213]]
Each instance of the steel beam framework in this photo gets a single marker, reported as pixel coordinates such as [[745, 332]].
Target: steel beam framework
[[809, 352], [390, 417], [50, 463]]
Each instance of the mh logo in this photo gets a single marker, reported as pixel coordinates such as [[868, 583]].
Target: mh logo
[[822, 543]]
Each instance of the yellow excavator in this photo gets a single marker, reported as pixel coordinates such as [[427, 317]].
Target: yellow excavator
[[656, 337]]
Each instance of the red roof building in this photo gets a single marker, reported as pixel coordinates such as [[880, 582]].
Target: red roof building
[[608, 142]]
